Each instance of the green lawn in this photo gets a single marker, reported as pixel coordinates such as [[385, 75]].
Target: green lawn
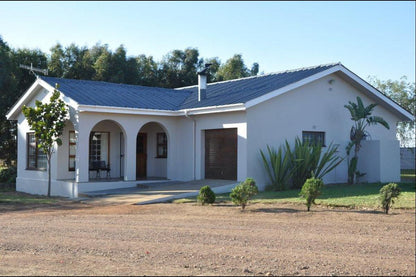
[[408, 175], [8, 196], [342, 195]]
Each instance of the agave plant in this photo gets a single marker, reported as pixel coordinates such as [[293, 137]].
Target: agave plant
[[297, 165], [278, 166], [362, 118], [310, 161]]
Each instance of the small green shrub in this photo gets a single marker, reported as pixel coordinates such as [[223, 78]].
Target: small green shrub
[[8, 175], [206, 195], [242, 193], [387, 193], [311, 190]]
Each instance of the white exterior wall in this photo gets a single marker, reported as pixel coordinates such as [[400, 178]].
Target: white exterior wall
[[31, 181], [317, 106]]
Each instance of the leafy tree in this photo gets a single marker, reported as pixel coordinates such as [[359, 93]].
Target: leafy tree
[[213, 69], [56, 61], [147, 71], [47, 121], [235, 68], [361, 115], [179, 68], [403, 92], [118, 64], [102, 65], [8, 95]]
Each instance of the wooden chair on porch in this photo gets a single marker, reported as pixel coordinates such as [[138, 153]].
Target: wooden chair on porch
[[99, 166]]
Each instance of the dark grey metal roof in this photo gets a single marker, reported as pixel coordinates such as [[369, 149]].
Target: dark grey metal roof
[[221, 93], [246, 89], [97, 93]]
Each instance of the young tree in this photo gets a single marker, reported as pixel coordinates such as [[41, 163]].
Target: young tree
[[362, 118], [48, 122], [403, 92]]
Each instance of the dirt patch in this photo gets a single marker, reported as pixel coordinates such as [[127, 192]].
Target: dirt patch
[[186, 239]]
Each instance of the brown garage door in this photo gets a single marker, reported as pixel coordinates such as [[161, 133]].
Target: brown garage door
[[221, 154]]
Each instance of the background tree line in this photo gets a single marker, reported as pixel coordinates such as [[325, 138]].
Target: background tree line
[[177, 68]]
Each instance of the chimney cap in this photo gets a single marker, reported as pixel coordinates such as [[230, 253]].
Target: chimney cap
[[204, 71]]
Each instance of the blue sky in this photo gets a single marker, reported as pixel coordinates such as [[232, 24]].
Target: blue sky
[[370, 38]]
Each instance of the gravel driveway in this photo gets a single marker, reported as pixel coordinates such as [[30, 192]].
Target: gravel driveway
[[186, 239]]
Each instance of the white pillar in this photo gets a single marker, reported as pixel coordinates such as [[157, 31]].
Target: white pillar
[[130, 156], [82, 159]]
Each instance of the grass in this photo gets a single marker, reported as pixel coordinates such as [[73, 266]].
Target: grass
[[340, 195], [8, 196], [408, 175]]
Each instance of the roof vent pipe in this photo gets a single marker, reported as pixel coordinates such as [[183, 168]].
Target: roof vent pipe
[[202, 83]]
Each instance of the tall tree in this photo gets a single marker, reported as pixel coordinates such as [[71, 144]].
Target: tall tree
[[148, 73], [361, 115], [118, 65], [213, 69], [235, 68], [179, 68], [56, 61], [102, 64], [47, 121], [403, 92], [8, 95]]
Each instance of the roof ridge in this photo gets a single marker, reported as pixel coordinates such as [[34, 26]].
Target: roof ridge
[[264, 75]]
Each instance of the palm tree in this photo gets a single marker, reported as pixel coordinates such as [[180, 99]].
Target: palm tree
[[362, 119]]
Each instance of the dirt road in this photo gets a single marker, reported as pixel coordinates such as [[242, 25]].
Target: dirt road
[[186, 239]]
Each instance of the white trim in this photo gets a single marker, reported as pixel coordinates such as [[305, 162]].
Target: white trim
[[195, 111], [290, 87], [377, 93], [216, 109], [23, 99], [405, 114], [120, 110]]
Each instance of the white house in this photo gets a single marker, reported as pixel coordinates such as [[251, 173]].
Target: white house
[[206, 131]]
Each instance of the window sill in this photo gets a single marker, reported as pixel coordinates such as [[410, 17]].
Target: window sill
[[36, 169], [161, 157]]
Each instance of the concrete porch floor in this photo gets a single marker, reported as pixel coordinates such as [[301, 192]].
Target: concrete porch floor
[[148, 193]]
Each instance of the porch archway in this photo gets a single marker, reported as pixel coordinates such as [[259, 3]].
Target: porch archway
[[106, 150], [152, 152]]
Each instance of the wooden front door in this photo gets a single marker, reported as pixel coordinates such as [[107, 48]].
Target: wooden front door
[[221, 154], [141, 156]]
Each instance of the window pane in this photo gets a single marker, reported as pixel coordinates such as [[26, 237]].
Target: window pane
[[42, 161], [72, 149], [71, 163], [314, 137], [72, 138]]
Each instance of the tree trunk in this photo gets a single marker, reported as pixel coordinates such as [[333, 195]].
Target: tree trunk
[[49, 174]]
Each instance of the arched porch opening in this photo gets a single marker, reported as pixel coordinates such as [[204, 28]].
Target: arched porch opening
[[106, 151], [152, 152]]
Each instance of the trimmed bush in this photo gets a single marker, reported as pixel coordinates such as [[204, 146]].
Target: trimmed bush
[[387, 193], [242, 193], [206, 195], [8, 175], [311, 190]]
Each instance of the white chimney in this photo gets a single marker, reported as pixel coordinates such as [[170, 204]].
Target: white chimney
[[202, 86], [202, 83]]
